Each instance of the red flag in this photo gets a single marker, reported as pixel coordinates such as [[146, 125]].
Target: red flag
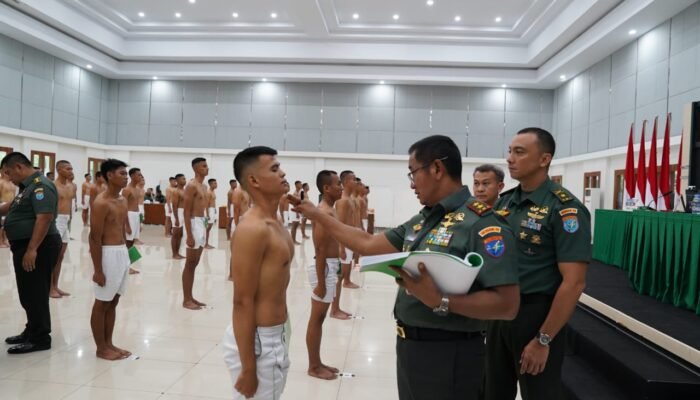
[[664, 176], [629, 169], [678, 175], [641, 169], [652, 187]]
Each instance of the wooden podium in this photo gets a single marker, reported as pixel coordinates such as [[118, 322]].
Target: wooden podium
[[154, 214], [223, 217]]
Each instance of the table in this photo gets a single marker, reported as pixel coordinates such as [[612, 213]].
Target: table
[[659, 250], [154, 214]]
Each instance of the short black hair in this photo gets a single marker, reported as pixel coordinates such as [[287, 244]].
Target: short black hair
[[172, 178], [439, 147], [297, 182], [304, 184], [49, 173], [232, 181], [15, 158], [198, 160], [211, 180], [179, 175], [86, 175], [358, 179], [544, 138], [345, 174], [98, 174], [247, 157], [61, 162], [132, 171], [500, 175], [110, 165], [324, 178]]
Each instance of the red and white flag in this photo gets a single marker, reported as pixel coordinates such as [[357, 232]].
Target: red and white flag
[[652, 187], [630, 185], [665, 173], [678, 206], [642, 171]]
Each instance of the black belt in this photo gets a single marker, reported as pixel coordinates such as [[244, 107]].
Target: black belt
[[536, 298], [432, 335]]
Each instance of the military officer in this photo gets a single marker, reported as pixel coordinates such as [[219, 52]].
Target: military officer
[[553, 236], [440, 344], [35, 245]]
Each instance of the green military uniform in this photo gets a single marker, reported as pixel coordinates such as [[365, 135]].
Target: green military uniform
[[441, 357], [37, 195], [551, 226]]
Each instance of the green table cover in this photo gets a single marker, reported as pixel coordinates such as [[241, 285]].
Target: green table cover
[[660, 252]]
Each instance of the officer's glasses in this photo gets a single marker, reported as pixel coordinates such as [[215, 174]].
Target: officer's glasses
[[426, 165]]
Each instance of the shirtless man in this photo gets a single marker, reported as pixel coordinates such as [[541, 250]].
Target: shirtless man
[[195, 204], [349, 214], [141, 197], [211, 209], [110, 257], [254, 344], [169, 207], [323, 275], [229, 206], [66, 194], [295, 217], [133, 226], [284, 210], [357, 221], [364, 211], [85, 198], [177, 200], [98, 187], [8, 192], [303, 196], [241, 205]]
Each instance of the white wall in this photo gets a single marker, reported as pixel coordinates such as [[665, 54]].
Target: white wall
[[391, 195]]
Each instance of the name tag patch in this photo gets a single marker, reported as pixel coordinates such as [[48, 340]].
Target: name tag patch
[[489, 229], [568, 211]]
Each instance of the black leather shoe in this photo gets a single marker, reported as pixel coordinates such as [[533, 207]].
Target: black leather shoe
[[19, 339], [28, 348]]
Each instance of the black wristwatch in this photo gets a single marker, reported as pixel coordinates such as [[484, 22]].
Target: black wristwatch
[[444, 308], [543, 339]]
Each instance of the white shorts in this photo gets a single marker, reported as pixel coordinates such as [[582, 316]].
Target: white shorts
[[271, 361], [199, 232], [364, 223], [332, 266], [62, 226], [293, 217], [167, 210], [347, 260], [86, 199], [115, 266], [142, 209], [180, 216], [134, 224], [212, 215]]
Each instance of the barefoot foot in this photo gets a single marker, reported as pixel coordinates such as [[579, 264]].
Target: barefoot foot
[[110, 354], [62, 292], [339, 314], [54, 294], [178, 257], [199, 303], [133, 271], [209, 247], [321, 373], [191, 305], [350, 285], [332, 369]]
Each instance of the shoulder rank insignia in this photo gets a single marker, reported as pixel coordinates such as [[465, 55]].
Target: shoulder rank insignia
[[562, 195], [478, 207], [417, 227], [36, 180], [503, 213]]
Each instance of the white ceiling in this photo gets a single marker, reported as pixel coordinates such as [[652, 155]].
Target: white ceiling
[[534, 42]]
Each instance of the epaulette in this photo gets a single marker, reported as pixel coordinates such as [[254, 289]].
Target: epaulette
[[563, 195], [478, 207], [37, 180], [507, 192]]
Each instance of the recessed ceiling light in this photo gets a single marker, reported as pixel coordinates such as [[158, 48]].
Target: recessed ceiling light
[[193, 1], [235, 15], [264, 79], [355, 16], [632, 32], [273, 15], [381, 82], [562, 77], [89, 66], [430, 2], [458, 18], [498, 19], [155, 78], [178, 15], [504, 85], [396, 17], [142, 14]]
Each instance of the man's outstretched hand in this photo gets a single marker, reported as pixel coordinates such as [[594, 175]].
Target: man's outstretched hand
[[304, 207]]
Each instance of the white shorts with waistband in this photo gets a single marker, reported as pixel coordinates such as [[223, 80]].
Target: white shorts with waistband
[[293, 217], [199, 232], [62, 226], [167, 210], [135, 225], [180, 216], [212, 215], [331, 278], [86, 199], [271, 361], [348, 259], [115, 267]]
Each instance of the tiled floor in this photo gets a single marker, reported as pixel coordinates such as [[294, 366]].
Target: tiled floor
[[180, 355]]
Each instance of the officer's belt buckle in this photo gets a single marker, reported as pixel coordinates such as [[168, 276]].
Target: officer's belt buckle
[[400, 332]]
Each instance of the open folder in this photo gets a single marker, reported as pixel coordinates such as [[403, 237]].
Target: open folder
[[451, 274], [134, 254]]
